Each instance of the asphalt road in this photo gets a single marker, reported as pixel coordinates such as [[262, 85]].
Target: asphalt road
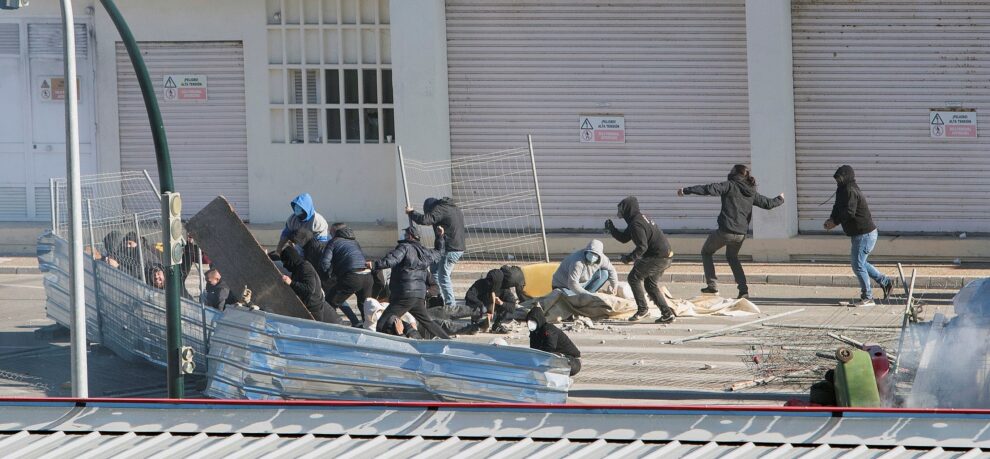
[[622, 363]]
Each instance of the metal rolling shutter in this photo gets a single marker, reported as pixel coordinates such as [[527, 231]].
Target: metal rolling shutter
[[675, 70], [207, 140], [865, 76]]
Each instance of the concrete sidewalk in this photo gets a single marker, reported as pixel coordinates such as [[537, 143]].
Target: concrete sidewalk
[[930, 276]]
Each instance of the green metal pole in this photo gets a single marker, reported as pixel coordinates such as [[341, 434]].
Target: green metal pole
[[173, 316]]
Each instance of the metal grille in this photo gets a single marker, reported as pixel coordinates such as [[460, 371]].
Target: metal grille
[[10, 39], [47, 39], [13, 202]]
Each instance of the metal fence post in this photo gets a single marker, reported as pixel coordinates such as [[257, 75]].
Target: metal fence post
[[140, 246], [51, 197], [96, 276], [539, 200], [202, 305], [151, 182]]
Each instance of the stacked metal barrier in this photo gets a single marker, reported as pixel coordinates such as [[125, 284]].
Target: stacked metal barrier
[[257, 355]]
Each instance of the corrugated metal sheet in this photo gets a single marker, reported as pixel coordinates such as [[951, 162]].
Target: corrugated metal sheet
[[865, 76], [207, 140], [675, 70], [256, 355], [88, 429]]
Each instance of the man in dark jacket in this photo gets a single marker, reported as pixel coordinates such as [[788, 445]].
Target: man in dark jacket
[[442, 213], [306, 283], [651, 257], [343, 260], [216, 294], [493, 297], [410, 265], [851, 211], [738, 195], [548, 338]]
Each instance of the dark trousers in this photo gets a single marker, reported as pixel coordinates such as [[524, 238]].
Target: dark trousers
[[351, 284], [732, 243], [324, 313], [417, 307], [644, 279]]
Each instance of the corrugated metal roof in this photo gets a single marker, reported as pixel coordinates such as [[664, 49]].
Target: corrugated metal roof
[[134, 428]]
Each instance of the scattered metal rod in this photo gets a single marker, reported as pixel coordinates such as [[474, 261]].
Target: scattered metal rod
[[767, 380], [857, 344], [836, 327], [723, 331]]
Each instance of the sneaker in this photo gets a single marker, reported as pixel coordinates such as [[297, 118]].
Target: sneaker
[[743, 296], [500, 330], [862, 303], [639, 316], [664, 320], [710, 290], [887, 288]]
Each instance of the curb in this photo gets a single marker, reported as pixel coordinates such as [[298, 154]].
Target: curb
[[802, 280], [19, 270]]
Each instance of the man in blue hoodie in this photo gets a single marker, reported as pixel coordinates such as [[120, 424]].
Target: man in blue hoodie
[[304, 214]]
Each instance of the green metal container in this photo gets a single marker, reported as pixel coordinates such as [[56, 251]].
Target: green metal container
[[855, 383]]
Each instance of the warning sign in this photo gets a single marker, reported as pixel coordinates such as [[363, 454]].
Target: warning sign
[[602, 128], [947, 123], [53, 89], [185, 88]]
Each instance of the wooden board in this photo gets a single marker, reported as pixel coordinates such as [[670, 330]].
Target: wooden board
[[241, 259], [539, 278]]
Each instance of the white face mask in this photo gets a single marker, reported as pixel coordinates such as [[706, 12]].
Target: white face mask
[[591, 257], [531, 324]]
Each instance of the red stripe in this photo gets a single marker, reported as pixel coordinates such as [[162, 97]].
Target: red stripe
[[455, 405]]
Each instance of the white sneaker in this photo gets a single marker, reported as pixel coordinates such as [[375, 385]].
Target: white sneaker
[[862, 303]]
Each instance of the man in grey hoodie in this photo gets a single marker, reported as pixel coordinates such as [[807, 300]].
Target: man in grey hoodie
[[586, 270]]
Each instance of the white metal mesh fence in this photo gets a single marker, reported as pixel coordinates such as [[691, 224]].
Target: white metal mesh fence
[[498, 194]]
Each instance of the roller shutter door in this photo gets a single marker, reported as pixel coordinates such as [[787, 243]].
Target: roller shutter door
[[207, 140], [865, 76], [675, 70]]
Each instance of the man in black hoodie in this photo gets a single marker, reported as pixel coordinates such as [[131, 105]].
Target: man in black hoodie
[[343, 260], [851, 211], [306, 283], [548, 338], [738, 195], [651, 257], [442, 213], [410, 265]]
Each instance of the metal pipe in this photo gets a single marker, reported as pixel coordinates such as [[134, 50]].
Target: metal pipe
[[51, 197], [908, 311], [96, 275], [140, 247], [202, 305], [173, 313], [539, 200], [402, 172], [80, 371], [151, 182]]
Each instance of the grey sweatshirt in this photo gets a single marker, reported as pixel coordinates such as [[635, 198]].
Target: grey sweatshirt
[[575, 271]]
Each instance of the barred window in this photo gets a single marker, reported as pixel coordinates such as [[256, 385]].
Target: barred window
[[330, 71]]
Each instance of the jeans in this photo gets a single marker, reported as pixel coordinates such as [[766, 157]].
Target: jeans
[[732, 243], [597, 281], [648, 271], [862, 245], [441, 272]]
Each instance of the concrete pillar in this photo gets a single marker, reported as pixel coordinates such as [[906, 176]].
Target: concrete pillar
[[771, 117], [419, 80]]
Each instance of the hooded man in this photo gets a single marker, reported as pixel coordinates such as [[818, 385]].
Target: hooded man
[[496, 295], [442, 213], [738, 195], [586, 271], [130, 254], [410, 265], [304, 214], [343, 260], [547, 337], [305, 282], [851, 211], [111, 248], [651, 257]]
